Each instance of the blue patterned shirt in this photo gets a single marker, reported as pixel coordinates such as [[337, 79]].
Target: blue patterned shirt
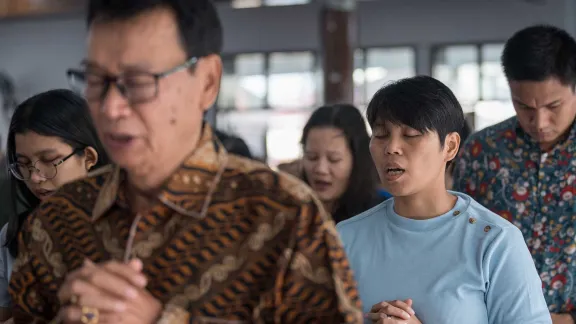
[[505, 170]]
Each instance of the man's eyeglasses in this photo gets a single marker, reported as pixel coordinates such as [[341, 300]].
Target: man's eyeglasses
[[136, 87], [46, 170]]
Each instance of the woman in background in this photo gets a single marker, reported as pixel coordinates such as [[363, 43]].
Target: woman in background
[[51, 141], [337, 162]]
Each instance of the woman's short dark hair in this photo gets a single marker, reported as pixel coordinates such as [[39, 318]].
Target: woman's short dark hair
[[55, 113], [422, 103], [362, 191]]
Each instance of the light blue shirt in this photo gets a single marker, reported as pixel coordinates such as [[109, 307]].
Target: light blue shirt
[[6, 261], [468, 266]]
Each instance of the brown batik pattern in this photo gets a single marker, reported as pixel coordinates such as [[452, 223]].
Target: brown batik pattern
[[265, 252]]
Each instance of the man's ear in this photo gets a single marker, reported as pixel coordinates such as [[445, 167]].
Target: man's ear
[[212, 66]]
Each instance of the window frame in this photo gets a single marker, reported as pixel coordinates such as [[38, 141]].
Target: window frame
[[365, 49], [478, 45], [316, 66]]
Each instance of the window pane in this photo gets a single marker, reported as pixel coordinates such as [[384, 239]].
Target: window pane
[[250, 90], [494, 84], [228, 84], [488, 113], [283, 137], [248, 125], [387, 64], [285, 2], [291, 80], [246, 3], [358, 77], [457, 67]]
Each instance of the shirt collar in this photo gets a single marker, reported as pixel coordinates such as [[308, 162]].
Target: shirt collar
[[188, 191]]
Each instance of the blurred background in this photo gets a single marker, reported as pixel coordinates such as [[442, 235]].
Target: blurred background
[[283, 58]]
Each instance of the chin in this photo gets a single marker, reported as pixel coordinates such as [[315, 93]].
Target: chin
[[398, 191], [126, 162], [325, 198]]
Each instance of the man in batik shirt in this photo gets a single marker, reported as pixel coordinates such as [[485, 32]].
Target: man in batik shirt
[[178, 230], [525, 167]]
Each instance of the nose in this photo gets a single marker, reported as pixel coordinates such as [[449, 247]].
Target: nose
[[35, 176], [394, 146], [321, 166], [114, 105], [541, 119]]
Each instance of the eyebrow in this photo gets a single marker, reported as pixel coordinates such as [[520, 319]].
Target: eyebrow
[[125, 67], [41, 152], [328, 152], [557, 101]]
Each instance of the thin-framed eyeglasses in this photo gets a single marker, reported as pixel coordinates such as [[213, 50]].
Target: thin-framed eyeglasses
[[46, 170], [136, 87]]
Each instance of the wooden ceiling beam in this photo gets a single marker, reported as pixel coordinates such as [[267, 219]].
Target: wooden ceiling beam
[[24, 8]]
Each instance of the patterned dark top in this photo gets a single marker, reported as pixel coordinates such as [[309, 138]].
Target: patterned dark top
[[266, 252], [506, 171]]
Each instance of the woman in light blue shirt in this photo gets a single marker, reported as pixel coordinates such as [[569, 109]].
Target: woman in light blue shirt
[[51, 141], [429, 255]]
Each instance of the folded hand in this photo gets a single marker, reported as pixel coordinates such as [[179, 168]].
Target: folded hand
[[393, 312], [111, 292]]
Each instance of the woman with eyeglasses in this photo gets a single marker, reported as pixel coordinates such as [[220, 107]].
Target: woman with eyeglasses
[[51, 141]]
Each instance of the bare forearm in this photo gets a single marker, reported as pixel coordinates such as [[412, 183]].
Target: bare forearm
[[564, 318]]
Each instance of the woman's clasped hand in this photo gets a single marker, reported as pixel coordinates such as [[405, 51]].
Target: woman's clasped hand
[[393, 312], [111, 292]]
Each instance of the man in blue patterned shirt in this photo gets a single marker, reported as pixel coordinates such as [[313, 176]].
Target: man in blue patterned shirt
[[525, 167]]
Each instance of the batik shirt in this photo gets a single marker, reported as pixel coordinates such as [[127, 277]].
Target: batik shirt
[[265, 252], [504, 169]]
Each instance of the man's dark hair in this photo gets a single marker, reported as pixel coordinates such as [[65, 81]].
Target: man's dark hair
[[234, 144], [198, 21], [420, 102], [538, 53]]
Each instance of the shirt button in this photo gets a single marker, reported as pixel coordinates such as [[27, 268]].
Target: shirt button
[[456, 213], [487, 229], [472, 220]]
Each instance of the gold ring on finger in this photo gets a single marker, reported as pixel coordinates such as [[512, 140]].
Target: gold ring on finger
[[74, 300], [89, 315]]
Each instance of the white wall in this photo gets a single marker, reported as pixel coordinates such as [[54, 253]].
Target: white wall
[[36, 52]]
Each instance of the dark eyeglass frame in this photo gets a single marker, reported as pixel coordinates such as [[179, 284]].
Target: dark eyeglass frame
[[32, 167], [109, 80]]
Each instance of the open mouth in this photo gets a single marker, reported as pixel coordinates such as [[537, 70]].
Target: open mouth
[[320, 185], [119, 141], [395, 171], [44, 193], [393, 174]]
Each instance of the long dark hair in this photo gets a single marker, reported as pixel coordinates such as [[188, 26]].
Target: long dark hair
[[56, 113], [362, 191]]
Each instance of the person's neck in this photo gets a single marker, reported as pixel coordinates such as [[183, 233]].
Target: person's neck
[[425, 205], [144, 184], [329, 206]]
